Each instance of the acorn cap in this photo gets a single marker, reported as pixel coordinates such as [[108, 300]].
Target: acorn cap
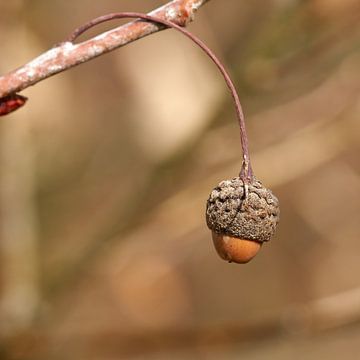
[[252, 217]]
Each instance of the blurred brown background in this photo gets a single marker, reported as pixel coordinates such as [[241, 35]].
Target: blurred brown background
[[105, 173]]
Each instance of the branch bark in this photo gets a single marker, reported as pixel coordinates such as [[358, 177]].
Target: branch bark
[[67, 55]]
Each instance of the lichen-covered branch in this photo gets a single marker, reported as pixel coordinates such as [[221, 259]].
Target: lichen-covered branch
[[67, 55]]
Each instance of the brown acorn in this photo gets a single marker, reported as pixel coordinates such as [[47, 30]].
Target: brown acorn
[[241, 213], [241, 218]]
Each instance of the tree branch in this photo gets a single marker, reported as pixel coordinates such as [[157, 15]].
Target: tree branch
[[67, 55]]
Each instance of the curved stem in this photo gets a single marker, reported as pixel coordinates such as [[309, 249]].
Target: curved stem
[[246, 171]]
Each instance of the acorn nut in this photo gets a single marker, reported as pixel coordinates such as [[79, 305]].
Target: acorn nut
[[241, 218]]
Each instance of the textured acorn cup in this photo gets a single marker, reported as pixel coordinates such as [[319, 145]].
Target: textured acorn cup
[[241, 222]]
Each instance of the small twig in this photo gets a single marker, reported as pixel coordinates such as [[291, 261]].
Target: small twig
[[67, 55]]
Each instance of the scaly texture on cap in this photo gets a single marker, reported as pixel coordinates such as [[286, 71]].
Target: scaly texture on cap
[[251, 217]]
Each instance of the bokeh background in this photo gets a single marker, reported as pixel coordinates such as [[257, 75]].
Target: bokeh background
[[105, 173]]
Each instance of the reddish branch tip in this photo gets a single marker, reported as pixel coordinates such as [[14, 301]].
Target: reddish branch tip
[[11, 103]]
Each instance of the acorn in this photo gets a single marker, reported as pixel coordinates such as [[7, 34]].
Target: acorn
[[241, 213], [242, 216]]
